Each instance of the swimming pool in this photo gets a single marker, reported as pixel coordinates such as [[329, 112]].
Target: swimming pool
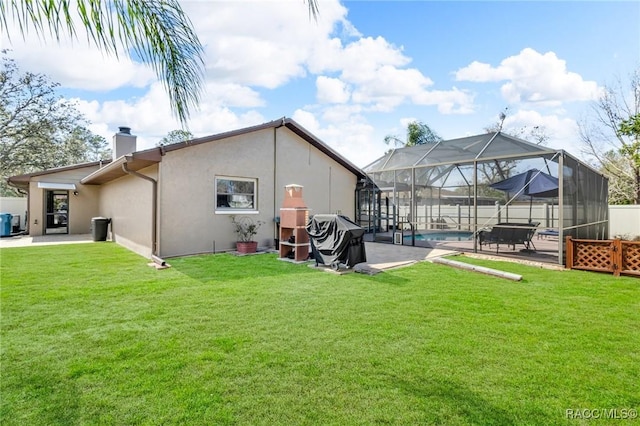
[[440, 236]]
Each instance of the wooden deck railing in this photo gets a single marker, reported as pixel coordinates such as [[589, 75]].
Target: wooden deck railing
[[613, 256]]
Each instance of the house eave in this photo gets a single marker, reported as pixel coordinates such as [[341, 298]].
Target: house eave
[[22, 181], [142, 159], [136, 161]]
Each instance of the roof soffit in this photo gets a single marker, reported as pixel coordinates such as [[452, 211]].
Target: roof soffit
[[114, 170]]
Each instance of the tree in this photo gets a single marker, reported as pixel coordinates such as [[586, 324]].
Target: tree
[[500, 170], [418, 133], [620, 188], [81, 146], [496, 171], [611, 136], [631, 150], [631, 126], [157, 31], [38, 129], [537, 134], [175, 136]]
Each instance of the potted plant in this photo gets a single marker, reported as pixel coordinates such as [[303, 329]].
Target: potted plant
[[245, 229]]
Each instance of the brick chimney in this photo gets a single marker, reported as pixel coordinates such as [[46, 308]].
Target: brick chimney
[[123, 142]]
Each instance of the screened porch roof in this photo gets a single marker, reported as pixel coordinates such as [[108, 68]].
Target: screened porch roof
[[483, 147]]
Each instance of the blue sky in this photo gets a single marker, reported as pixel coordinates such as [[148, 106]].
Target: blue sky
[[367, 68]]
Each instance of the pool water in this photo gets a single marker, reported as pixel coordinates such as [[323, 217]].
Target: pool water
[[441, 236]]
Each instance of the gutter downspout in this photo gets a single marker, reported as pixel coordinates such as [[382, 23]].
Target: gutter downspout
[[275, 178], [154, 208]]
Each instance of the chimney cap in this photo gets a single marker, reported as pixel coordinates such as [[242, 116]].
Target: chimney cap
[[125, 130]]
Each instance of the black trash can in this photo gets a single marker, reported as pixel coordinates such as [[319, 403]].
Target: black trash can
[[99, 227]]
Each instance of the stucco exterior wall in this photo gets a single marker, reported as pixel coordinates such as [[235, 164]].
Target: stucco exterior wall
[[188, 220], [82, 207], [127, 201], [328, 187]]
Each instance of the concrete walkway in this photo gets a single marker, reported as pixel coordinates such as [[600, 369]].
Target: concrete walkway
[[381, 256], [26, 240]]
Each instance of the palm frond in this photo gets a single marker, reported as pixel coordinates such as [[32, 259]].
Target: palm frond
[[157, 31], [314, 11]]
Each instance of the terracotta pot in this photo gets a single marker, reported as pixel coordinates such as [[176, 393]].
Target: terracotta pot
[[245, 247]]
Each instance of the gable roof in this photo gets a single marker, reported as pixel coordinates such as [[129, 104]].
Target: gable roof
[[134, 161], [141, 159], [282, 122], [22, 181]]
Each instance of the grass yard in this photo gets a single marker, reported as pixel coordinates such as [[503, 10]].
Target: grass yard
[[92, 335]]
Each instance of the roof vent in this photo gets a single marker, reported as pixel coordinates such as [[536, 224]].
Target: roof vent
[[125, 130]]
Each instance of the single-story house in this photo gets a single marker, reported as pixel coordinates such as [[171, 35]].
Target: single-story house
[[177, 199]]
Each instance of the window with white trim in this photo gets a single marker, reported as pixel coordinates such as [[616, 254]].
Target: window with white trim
[[235, 194]]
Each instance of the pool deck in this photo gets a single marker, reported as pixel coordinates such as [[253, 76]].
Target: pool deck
[[546, 248]]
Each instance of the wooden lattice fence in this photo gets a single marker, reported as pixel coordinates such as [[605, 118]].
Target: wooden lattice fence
[[613, 256]]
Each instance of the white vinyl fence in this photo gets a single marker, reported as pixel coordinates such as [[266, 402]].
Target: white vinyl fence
[[17, 207], [624, 221], [461, 217]]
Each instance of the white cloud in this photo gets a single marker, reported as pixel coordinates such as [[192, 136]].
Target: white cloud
[[75, 64], [532, 77], [454, 101], [562, 131], [307, 120], [376, 74], [359, 61], [388, 87], [150, 117], [332, 90], [262, 44], [251, 49], [232, 95], [337, 114], [351, 136], [480, 72]]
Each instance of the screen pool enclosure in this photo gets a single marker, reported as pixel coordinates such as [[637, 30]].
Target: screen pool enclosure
[[454, 185]]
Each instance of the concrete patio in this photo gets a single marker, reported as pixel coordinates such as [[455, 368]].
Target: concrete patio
[[26, 240]]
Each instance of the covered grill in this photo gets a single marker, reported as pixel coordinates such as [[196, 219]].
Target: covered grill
[[336, 241]]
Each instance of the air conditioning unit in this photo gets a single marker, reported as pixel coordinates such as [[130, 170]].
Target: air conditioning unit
[[397, 238]]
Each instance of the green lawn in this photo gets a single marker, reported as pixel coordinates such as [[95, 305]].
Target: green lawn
[[92, 335]]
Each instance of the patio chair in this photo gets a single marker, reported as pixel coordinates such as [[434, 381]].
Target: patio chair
[[509, 234], [547, 233]]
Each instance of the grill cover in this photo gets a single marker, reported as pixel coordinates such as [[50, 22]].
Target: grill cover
[[336, 239]]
